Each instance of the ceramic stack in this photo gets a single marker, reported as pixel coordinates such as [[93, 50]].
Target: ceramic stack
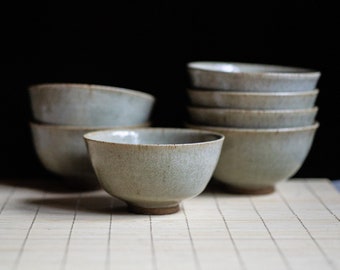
[[267, 114], [63, 112]]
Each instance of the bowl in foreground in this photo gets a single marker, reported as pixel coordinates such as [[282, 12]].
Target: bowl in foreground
[[154, 169]]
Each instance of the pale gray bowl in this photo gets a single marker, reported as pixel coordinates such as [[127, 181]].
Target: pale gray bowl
[[253, 100], [252, 118], [254, 160], [251, 77], [89, 105], [154, 169], [62, 151]]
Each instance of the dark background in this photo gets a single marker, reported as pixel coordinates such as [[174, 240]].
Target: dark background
[[145, 45]]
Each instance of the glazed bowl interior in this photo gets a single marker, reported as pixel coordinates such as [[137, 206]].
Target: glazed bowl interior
[[234, 67], [152, 136]]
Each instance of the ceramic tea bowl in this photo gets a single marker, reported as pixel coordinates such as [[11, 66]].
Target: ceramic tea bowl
[[239, 118], [253, 100], [249, 77], [89, 105], [154, 169], [62, 151], [253, 161]]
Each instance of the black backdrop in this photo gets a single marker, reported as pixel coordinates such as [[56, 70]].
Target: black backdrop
[[144, 45]]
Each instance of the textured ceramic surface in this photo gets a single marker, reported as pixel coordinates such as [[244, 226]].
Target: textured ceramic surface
[[253, 100], [254, 160], [154, 169], [252, 118], [61, 150], [89, 105], [251, 77]]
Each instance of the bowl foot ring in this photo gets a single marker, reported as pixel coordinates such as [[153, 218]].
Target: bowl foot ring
[[153, 211]]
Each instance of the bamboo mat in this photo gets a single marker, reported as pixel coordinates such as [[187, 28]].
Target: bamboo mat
[[297, 227]]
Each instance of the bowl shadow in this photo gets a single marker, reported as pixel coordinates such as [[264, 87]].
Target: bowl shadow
[[82, 203], [50, 183]]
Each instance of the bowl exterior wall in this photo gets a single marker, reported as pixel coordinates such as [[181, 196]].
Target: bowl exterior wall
[[252, 119], [64, 153], [261, 160], [83, 106], [255, 159], [152, 176], [222, 99], [251, 82]]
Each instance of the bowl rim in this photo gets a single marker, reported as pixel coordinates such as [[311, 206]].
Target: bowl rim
[[299, 71], [314, 126], [218, 137], [82, 128], [98, 87], [313, 92]]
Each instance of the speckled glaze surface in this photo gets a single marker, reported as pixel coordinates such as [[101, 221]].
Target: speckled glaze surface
[[252, 118], [154, 169], [89, 105], [251, 77], [254, 160], [61, 150], [253, 100]]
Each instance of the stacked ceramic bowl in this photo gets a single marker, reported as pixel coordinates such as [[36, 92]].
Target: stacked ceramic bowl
[[63, 113], [267, 114]]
